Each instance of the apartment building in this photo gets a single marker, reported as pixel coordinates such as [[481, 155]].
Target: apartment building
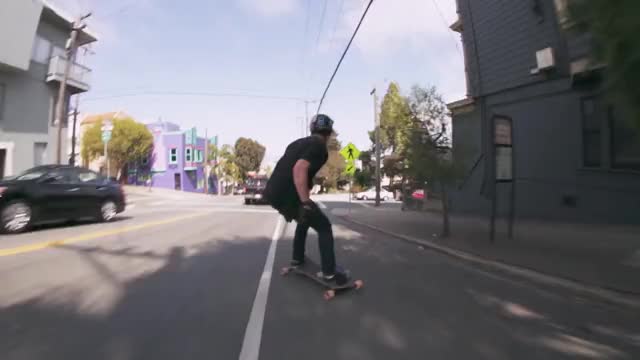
[[538, 130], [33, 36]]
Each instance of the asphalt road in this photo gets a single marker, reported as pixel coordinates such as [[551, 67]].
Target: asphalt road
[[185, 278]]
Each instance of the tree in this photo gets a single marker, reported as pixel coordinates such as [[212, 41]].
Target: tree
[[395, 121], [429, 159], [332, 171], [130, 142], [614, 26], [227, 169], [248, 155]]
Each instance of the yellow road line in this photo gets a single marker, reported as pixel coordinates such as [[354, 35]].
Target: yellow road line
[[93, 235]]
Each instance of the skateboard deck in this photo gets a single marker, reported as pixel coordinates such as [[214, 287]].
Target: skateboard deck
[[310, 270]]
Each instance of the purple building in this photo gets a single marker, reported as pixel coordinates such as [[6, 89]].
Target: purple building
[[177, 160]]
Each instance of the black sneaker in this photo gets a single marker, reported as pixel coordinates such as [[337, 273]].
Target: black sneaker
[[340, 277], [297, 263]]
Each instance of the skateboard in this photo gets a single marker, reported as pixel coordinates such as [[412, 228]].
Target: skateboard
[[312, 270]]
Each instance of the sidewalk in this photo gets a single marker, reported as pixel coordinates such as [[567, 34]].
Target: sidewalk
[[595, 255]]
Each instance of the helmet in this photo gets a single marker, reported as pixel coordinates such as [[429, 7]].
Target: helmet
[[321, 124]]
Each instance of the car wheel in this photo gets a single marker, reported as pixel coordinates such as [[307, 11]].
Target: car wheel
[[108, 211], [365, 198], [246, 201], [386, 198], [15, 217]]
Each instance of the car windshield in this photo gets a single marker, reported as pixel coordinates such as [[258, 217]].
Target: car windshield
[[256, 182], [30, 175]]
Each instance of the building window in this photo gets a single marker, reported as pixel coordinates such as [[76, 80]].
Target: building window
[[58, 51], [39, 153], [41, 50], [173, 156], [199, 156], [591, 132], [187, 155], [609, 140], [625, 142], [145, 161]]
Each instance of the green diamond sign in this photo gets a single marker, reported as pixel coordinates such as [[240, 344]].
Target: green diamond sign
[[350, 153], [350, 168]]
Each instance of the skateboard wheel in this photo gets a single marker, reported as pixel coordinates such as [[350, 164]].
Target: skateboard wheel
[[329, 294], [284, 271], [358, 284]]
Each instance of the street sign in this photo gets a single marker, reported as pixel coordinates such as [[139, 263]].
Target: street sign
[[350, 153], [350, 169], [106, 136]]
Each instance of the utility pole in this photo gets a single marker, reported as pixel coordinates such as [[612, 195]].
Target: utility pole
[[376, 120], [70, 54], [206, 161], [306, 117], [72, 161]]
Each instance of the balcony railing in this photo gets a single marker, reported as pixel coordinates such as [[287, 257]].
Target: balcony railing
[[79, 75]]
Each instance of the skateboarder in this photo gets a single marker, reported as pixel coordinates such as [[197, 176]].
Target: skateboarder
[[288, 191]]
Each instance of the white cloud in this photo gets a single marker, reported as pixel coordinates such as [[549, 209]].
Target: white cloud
[[396, 28], [390, 24], [271, 7]]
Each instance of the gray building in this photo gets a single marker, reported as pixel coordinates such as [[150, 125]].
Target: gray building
[[531, 84], [33, 36]]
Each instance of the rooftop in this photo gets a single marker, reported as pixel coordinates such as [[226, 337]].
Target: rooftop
[[57, 16]]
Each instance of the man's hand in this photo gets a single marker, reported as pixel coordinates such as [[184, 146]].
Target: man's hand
[[307, 209]]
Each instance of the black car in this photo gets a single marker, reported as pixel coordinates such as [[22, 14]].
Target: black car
[[53, 193], [254, 189]]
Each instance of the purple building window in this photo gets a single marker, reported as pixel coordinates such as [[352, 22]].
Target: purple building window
[[173, 156]]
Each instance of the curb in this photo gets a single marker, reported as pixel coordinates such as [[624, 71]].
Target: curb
[[605, 295]]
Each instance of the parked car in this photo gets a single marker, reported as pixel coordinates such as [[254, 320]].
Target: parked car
[[418, 194], [254, 189], [54, 193], [370, 194]]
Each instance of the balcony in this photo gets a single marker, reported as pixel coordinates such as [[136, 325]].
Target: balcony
[[79, 75]]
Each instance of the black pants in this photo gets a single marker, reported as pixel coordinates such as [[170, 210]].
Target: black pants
[[319, 222]]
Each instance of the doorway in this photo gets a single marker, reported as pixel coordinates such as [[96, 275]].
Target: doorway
[[177, 184]]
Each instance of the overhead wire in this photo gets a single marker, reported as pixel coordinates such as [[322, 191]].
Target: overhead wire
[[444, 21], [317, 42], [335, 71], [195, 93], [335, 25]]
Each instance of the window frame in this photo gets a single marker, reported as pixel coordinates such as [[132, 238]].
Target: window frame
[[188, 155], [173, 155], [612, 119], [41, 41], [586, 130]]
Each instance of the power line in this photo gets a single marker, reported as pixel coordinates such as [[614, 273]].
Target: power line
[[355, 32], [121, 9], [335, 25], [317, 43], [322, 16], [444, 21], [194, 93]]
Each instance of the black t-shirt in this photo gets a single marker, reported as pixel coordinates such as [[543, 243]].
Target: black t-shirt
[[281, 188]]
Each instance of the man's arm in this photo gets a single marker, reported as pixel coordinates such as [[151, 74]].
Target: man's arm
[[301, 179]]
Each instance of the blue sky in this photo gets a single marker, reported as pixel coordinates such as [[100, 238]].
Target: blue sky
[[261, 47]]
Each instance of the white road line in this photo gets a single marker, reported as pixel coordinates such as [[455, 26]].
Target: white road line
[[322, 205], [253, 333], [130, 206]]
